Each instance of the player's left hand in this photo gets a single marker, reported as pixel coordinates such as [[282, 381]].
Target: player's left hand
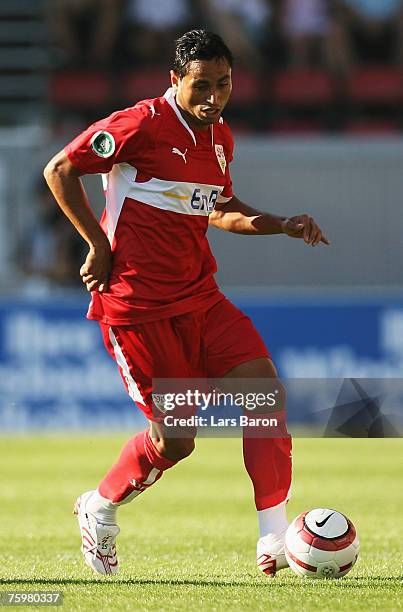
[[304, 226]]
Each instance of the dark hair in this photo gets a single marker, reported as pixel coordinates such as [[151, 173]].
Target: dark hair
[[199, 45]]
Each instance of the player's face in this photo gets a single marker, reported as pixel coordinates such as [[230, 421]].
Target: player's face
[[204, 91]]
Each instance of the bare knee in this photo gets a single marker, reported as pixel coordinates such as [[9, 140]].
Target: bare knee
[[257, 379], [174, 448]]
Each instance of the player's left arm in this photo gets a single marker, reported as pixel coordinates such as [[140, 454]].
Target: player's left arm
[[237, 217]]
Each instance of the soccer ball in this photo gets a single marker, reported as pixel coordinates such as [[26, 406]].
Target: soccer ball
[[321, 543]]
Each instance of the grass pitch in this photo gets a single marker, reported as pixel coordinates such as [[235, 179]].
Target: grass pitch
[[189, 542]]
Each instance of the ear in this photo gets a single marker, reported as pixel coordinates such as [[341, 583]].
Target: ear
[[174, 79]]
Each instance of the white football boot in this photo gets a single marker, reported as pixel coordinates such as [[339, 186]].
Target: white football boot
[[98, 540], [270, 554]]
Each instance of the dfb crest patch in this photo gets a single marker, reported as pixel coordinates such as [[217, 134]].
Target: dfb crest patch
[[103, 144]]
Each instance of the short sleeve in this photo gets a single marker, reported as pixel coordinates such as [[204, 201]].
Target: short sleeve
[[227, 194], [121, 137]]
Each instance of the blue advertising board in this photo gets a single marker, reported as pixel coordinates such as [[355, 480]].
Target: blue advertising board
[[56, 374]]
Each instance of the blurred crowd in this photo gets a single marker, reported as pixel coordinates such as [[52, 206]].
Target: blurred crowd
[[266, 34], [294, 59], [50, 252]]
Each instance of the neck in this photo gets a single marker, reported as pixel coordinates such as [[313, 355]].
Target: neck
[[190, 119]]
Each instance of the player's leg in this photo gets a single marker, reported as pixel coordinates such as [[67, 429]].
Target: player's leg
[[141, 352], [236, 352], [140, 465], [267, 458]]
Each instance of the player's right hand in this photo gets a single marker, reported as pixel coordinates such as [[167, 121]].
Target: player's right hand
[[96, 269]]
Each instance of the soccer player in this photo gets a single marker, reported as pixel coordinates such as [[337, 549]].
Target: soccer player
[[165, 169]]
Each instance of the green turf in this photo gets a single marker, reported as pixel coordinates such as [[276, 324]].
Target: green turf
[[190, 541]]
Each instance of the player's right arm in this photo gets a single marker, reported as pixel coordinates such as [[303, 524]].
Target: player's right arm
[[64, 181], [121, 137]]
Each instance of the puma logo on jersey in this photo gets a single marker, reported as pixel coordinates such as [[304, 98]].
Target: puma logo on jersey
[[177, 152]]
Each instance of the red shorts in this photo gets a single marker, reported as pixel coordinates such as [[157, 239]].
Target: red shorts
[[200, 344]]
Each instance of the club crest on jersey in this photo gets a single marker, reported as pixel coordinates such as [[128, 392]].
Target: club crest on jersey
[[103, 144], [219, 151]]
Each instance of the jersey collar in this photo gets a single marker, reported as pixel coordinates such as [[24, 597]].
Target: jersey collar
[[169, 96]]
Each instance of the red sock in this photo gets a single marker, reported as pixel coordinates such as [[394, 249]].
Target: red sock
[[268, 463], [139, 466]]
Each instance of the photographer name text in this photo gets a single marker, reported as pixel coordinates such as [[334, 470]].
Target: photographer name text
[[214, 421]]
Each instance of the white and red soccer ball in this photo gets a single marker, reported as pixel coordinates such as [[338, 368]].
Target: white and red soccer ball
[[321, 543]]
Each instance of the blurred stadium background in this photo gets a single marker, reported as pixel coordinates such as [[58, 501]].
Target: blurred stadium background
[[317, 115]]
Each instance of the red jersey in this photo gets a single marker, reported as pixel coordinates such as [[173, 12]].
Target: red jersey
[[161, 181]]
